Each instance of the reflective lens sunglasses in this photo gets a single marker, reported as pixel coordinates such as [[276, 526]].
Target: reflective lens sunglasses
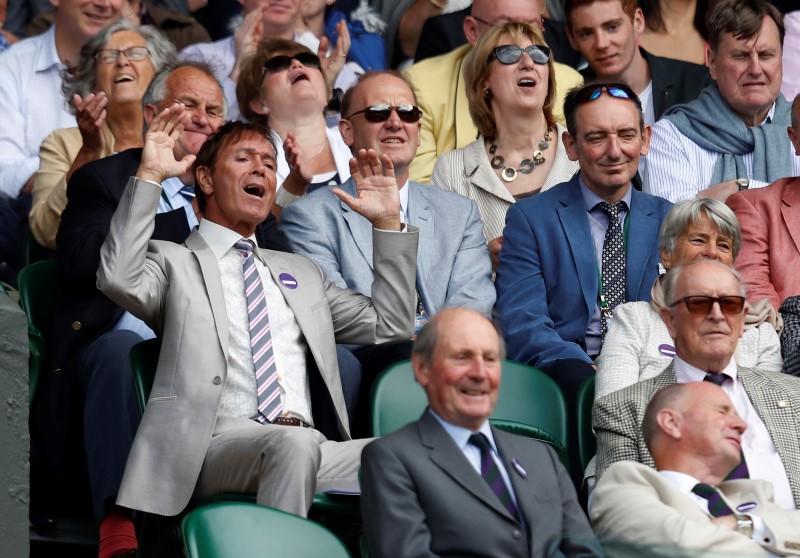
[[618, 90], [701, 305], [134, 54], [510, 54], [280, 63], [382, 113]]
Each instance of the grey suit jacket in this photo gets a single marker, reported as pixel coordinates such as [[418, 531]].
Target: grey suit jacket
[[453, 266], [177, 290], [636, 504], [617, 419], [421, 497]]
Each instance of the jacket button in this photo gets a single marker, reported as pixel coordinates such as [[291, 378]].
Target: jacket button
[[517, 534], [217, 380], [76, 326]]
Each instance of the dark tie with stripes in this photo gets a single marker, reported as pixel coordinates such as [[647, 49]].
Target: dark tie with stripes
[[740, 471], [491, 473], [716, 505]]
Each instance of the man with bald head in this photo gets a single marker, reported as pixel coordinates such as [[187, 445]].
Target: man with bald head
[[704, 313], [440, 89], [426, 488], [694, 434]]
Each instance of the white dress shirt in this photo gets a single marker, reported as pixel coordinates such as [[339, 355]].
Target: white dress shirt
[[677, 168], [31, 106], [763, 461], [239, 398]]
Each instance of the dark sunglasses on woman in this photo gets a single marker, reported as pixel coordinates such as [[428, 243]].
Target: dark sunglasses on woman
[[280, 63], [510, 54]]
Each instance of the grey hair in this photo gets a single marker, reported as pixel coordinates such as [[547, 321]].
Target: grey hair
[[81, 79], [687, 212], [425, 342], [674, 273], [157, 90]]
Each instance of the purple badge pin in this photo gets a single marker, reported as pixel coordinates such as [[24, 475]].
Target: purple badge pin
[[746, 506], [667, 350], [287, 281], [518, 466]]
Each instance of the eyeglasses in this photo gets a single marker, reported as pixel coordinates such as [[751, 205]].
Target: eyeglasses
[[134, 54], [382, 113], [701, 305], [511, 54], [280, 63], [537, 23]]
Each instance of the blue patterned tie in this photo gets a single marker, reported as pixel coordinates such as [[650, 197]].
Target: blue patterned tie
[[269, 396], [491, 473], [716, 505], [613, 264], [740, 471], [188, 193]]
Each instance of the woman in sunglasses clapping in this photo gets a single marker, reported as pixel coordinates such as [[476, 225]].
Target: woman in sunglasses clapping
[[282, 86], [510, 83]]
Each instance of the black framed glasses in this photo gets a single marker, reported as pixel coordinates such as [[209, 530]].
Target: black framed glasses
[[511, 54], [281, 63], [701, 305], [110, 56], [382, 113]]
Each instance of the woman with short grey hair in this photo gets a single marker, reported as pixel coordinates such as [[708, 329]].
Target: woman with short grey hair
[[638, 345], [104, 90]]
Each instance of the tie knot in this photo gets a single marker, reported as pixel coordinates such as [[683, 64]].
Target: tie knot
[[245, 247], [612, 210], [480, 441], [187, 192], [716, 378]]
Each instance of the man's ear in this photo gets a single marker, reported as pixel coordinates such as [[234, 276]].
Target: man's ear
[[150, 112], [471, 29], [712, 63], [346, 129], [670, 423], [646, 137], [421, 371], [204, 180], [569, 145], [666, 317]]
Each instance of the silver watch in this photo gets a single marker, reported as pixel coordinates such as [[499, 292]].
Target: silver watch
[[744, 183]]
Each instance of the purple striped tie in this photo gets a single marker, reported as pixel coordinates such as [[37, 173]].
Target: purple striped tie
[[491, 473], [269, 394]]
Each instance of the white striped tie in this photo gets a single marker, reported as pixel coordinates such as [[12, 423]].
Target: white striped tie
[[269, 396]]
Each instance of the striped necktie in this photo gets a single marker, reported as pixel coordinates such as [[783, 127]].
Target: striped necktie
[[269, 396], [188, 193], [740, 471], [491, 473], [716, 505]]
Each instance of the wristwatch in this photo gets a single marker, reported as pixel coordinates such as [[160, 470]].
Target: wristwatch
[[744, 525], [744, 183]]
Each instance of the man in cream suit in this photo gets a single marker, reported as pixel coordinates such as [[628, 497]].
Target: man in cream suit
[[209, 426], [453, 266], [695, 437], [427, 488], [705, 319]]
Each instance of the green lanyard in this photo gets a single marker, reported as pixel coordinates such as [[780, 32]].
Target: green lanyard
[[166, 199], [604, 309]]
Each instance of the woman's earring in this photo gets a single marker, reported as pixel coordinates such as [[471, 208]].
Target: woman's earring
[[266, 108]]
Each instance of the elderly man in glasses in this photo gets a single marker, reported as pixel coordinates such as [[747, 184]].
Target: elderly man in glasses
[[705, 316], [453, 267], [574, 252]]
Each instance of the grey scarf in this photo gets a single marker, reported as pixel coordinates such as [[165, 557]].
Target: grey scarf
[[711, 124]]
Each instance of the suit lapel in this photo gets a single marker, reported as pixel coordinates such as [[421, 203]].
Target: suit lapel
[[642, 229], [790, 210], [775, 408], [420, 216], [360, 228], [448, 457], [519, 483], [575, 224], [481, 176], [213, 281]]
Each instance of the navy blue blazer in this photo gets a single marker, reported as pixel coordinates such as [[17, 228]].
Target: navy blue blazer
[[547, 284]]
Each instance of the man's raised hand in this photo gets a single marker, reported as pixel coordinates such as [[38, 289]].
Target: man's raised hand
[[376, 186], [158, 159]]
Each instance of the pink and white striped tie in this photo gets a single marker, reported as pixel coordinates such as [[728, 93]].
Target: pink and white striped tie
[[269, 396]]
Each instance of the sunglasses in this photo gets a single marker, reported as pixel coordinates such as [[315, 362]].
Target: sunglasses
[[701, 305], [510, 54], [618, 90], [382, 113], [134, 54], [280, 63]]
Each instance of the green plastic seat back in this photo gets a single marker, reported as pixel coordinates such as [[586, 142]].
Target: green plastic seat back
[[527, 396], [144, 361], [587, 443], [239, 530], [33, 251], [37, 295]]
